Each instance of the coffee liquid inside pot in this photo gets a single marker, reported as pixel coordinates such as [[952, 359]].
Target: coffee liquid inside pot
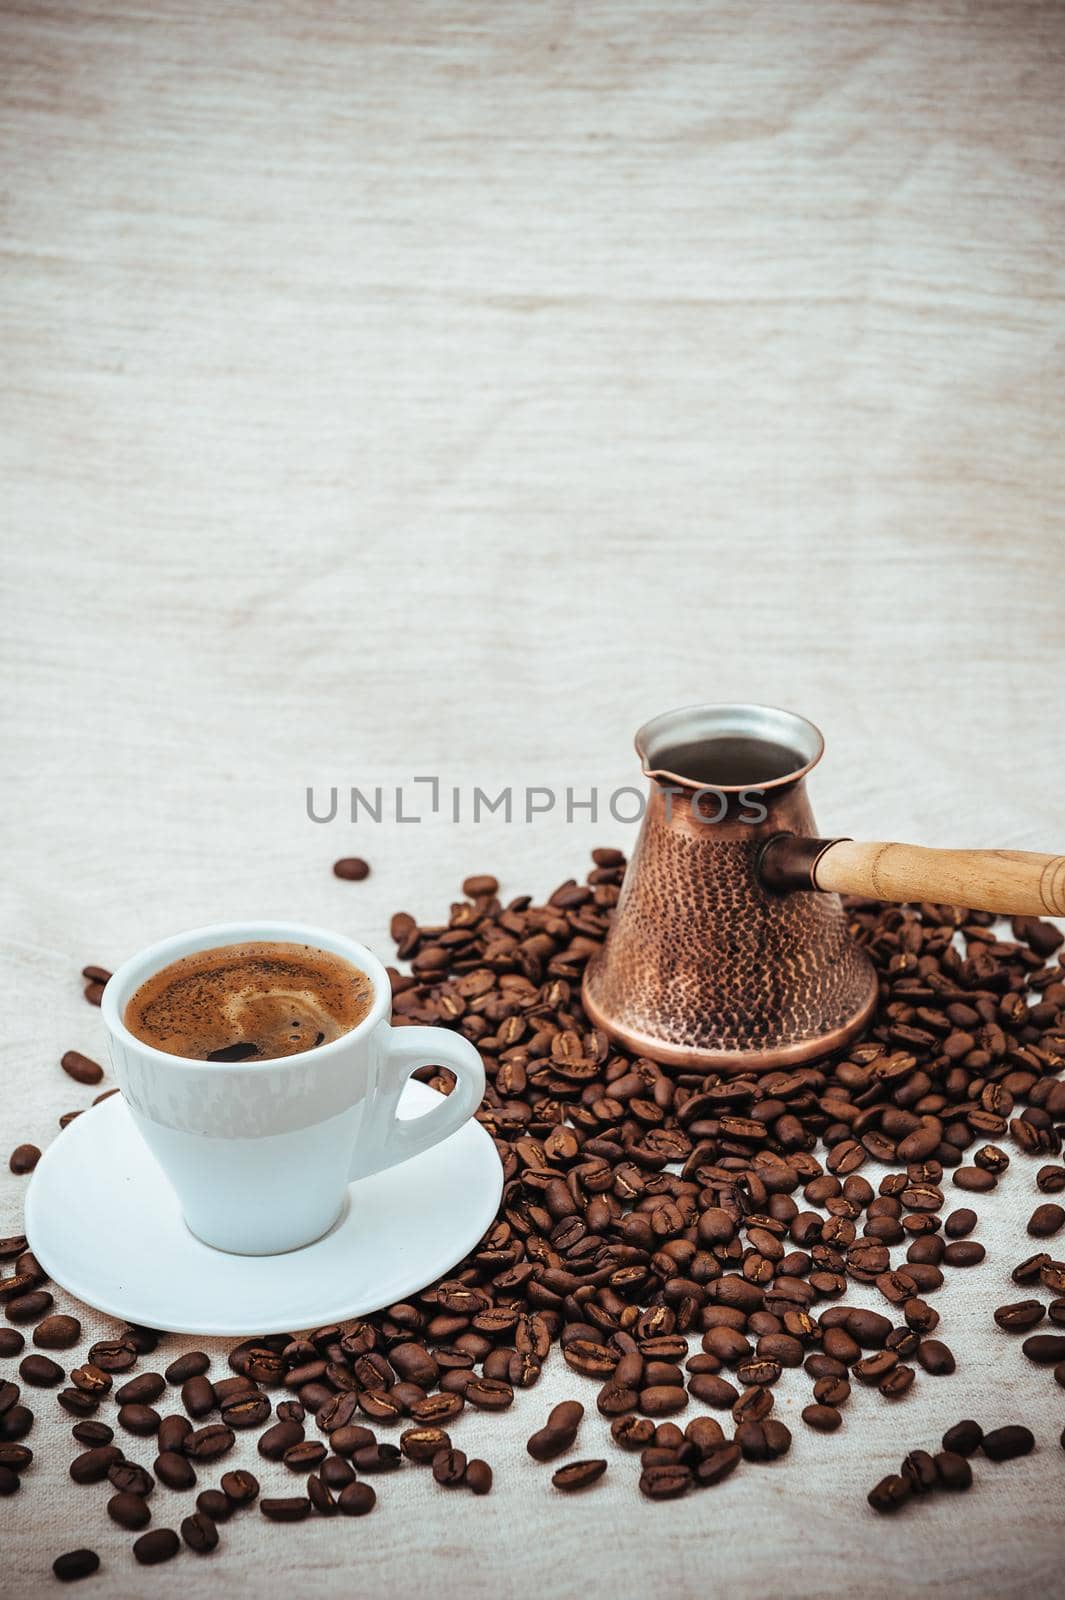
[[730, 761]]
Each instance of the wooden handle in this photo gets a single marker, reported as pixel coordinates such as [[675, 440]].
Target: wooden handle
[[1011, 882]]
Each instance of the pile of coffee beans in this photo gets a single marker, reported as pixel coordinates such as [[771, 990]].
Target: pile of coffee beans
[[921, 1472], [679, 1239]]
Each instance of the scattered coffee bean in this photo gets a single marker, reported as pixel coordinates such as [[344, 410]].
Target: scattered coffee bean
[[240, 1488], [1020, 1316], [963, 1439], [353, 868], [199, 1533], [191, 1365], [1003, 1444], [24, 1158], [161, 1544], [214, 1504], [1044, 1349], [356, 1500], [75, 1564], [175, 1470], [291, 1508], [81, 1068], [478, 1476], [578, 1475], [92, 1465], [12, 1343], [129, 1511], [57, 1333], [825, 1419], [1046, 1220], [559, 1432], [890, 1494], [141, 1390], [40, 1372]]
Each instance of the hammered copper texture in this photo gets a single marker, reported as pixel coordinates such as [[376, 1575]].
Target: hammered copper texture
[[702, 960]]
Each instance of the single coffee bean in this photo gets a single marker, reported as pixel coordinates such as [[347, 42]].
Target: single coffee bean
[[175, 1470], [890, 1494], [975, 1179], [40, 1372], [12, 1343], [57, 1333], [207, 1444], [825, 1419], [128, 1478], [303, 1457], [356, 1500], [559, 1433], [1004, 1444], [578, 1475], [92, 1465], [23, 1159], [336, 1473], [1044, 1349], [81, 1068], [141, 1420], [321, 1496], [287, 1508], [129, 1511], [631, 1433], [1050, 1179], [935, 1357], [15, 1424], [193, 1364], [919, 1469], [1046, 1220], [717, 1463], [77, 1402], [198, 1396], [141, 1390], [173, 1431], [75, 1564], [91, 1380], [665, 1482], [960, 1223], [240, 1488], [199, 1533], [353, 868], [15, 1457], [276, 1440], [161, 1544], [478, 1476], [29, 1307], [953, 1470], [91, 1433], [10, 1483], [377, 1458], [249, 1409], [214, 1504], [449, 1467], [1020, 1316], [345, 1441], [964, 1253]]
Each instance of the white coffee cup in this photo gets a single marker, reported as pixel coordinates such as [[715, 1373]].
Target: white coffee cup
[[261, 1153]]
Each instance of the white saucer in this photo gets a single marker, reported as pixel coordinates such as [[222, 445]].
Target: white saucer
[[104, 1222]]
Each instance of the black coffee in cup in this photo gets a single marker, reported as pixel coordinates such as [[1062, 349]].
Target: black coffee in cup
[[247, 1002]]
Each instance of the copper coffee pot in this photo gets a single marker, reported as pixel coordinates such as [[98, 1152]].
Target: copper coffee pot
[[729, 947]]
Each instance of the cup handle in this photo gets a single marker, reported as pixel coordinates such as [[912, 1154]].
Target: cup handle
[[384, 1140]]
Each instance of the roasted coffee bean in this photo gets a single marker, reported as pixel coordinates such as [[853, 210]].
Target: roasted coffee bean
[[953, 1470], [578, 1475], [91, 1433], [81, 1068], [336, 1473], [964, 1253], [304, 1456], [353, 868], [559, 1433], [23, 1159], [964, 1439], [240, 1488], [92, 1465], [960, 1223], [935, 1357], [40, 1372], [1044, 1349], [15, 1457], [420, 1444], [975, 1179], [449, 1467], [15, 1424], [175, 1470], [919, 1469], [12, 1343], [90, 1380], [191, 1365], [288, 1508], [199, 1533], [141, 1390], [139, 1419], [246, 1410], [128, 1478], [894, 1384], [1050, 1179], [478, 1476], [718, 1461], [763, 1441], [173, 1431], [129, 1511], [214, 1504], [57, 1333], [890, 1494], [29, 1307], [321, 1496], [113, 1355], [826, 1419], [356, 1500], [161, 1544], [345, 1441], [9, 1481], [1003, 1444], [377, 1458], [1046, 1220], [1020, 1316], [436, 1408], [665, 1482], [198, 1396], [75, 1564], [281, 1437], [207, 1444]]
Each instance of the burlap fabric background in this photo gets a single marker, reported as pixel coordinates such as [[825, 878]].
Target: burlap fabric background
[[396, 389]]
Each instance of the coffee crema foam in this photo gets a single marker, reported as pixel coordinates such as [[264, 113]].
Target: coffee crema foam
[[247, 1002]]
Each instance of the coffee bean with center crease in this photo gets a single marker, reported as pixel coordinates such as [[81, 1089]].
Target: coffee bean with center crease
[[1020, 1316], [161, 1544], [207, 1444], [449, 1467], [1004, 1444], [240, 1488], [718, 1462], [247, 1410], [15, 1457], [303, 1457], [128, 1478], [75, 1564], [199, 1533], [578, 1475], [665, 1482], [890, 1494]]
